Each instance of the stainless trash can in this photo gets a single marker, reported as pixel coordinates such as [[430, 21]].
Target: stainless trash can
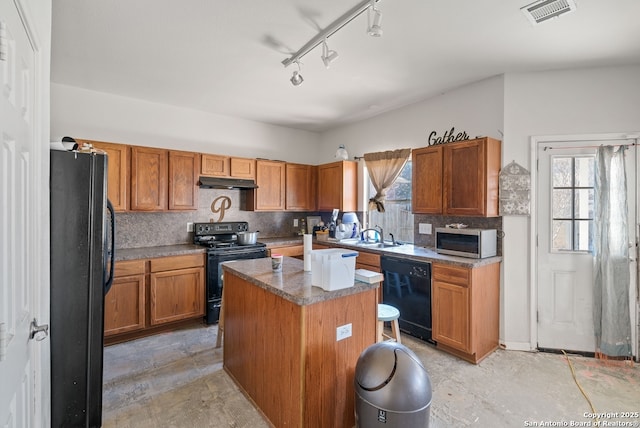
[[392, 387]]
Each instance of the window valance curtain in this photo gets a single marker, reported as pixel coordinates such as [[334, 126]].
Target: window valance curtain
[[384, 168]]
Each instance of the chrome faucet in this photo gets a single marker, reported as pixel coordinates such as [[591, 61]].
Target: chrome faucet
[[378, 230]]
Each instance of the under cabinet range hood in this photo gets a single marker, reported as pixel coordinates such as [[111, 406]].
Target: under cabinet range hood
[[226, 183]]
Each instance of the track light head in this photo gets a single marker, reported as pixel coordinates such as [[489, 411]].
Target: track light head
[[297, 79], [328, 56], [375, 28]]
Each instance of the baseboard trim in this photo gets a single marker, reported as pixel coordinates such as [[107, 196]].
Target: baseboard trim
[[517, 346]]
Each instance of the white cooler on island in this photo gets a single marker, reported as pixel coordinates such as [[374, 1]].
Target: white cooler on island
[[333, 268]]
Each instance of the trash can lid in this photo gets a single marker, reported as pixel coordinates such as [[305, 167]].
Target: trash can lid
[[390, 376]]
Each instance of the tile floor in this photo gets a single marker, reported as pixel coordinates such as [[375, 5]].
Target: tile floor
[[176, 380]]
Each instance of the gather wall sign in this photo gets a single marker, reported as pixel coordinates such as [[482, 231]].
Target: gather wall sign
[[449, 136]]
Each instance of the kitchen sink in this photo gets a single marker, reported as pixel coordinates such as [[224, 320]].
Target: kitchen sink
[[369, 244]]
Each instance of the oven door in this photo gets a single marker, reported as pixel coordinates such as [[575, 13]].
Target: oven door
[[215, 278]]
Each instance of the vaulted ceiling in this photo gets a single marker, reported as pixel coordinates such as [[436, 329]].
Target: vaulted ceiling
[[225, 57]]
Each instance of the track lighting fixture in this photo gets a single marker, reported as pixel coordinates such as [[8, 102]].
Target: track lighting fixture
[[328, 56], [374, 28], [297, 79]]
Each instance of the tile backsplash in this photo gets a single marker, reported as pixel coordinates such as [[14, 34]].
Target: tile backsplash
[[141, 229]]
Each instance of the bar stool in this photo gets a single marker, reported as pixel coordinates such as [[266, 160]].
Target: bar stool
[[387, 313]]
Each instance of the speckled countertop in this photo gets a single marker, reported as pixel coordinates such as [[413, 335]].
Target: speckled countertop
[[292, 284], [408, 251], [153, 252], [281, 241]]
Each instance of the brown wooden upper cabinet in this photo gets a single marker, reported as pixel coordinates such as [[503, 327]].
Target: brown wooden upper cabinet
[[215, 165], [337, 186], [163, 179], [225, 166], [183, 180], [427, 180], [300, 187], [457, 178], [242, 168], [149, 178], [117, 172], [270, 194]]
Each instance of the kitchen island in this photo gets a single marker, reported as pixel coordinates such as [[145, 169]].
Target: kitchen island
[[282, 346]]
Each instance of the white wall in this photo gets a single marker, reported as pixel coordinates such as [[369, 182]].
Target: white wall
[[100, 116], [475, 108]]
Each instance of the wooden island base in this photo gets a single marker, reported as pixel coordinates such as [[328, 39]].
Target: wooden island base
[[284, 353]]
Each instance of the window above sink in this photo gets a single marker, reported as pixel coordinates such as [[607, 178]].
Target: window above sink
[[397, 218]]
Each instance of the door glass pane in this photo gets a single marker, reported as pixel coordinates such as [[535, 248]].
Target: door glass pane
[[582, 238], [561, 239], [561, 203], [572, 207], [562, 171], [584, 204], [585, 172]]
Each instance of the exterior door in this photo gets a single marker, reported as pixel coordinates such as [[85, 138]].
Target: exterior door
[[24, 225], [564, 254]]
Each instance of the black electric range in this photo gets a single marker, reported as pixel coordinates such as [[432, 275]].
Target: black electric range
[[221, 240]]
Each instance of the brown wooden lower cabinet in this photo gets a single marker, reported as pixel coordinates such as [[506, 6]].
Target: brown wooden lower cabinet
[[150, 293], [466, 309], [124, 304]]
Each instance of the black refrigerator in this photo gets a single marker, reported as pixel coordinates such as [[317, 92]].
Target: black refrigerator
[[81, 272]]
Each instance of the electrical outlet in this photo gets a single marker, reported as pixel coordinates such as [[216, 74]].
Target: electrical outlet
[[189, 227], [295, 222], [424, 228], [343, 332]]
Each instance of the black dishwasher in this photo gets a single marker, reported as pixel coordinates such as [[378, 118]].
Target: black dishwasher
[[407, 286]]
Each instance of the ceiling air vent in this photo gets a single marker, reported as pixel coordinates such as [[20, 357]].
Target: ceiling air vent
[[544, 10]]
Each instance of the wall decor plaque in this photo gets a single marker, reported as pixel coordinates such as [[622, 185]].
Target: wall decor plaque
[[220, 205], [515, 190], [448, 137]]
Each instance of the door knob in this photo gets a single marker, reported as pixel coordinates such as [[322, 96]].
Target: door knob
[[38, 332]]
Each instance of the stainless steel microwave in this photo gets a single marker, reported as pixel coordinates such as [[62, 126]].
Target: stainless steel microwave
[[473, 243]]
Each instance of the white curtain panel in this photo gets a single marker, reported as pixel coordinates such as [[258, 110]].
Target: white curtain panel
[[611, 255]]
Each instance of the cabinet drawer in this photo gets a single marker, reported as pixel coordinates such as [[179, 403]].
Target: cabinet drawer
[[177, 262], [452, 274], [129, 267], [296, 250], [368, 259]]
